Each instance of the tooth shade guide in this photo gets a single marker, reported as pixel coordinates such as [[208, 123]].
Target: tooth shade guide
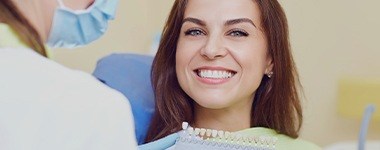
[[227, 139]]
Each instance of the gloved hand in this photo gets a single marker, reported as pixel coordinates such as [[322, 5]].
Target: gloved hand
[[160, 144]]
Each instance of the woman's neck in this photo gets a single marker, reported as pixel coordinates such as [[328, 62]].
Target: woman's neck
[[228, 119]]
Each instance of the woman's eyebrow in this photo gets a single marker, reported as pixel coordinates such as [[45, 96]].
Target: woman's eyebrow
[[239, 20], [194, 20]]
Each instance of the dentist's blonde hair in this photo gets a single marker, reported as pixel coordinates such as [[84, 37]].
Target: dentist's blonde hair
[[10, 15]]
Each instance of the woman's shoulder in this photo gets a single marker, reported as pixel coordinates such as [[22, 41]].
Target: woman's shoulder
[[283, 142]]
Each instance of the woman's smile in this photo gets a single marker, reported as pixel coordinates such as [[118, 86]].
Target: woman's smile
[[213, 75]]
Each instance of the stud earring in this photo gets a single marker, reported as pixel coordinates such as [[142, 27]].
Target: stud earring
[[270, 74]]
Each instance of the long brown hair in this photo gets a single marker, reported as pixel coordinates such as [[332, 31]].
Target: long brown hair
[[276, 103], [10, 15]]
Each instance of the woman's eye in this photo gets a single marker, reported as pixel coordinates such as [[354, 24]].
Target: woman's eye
[[194, 32], [238, 33]]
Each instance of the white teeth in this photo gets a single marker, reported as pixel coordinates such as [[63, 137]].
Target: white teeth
[[232, 136], [214, 133], [203, 131], [238, 137], [208, 132], [215, 74], [221, 134], [185, 125], [256, 139], [227, 134], [197, 131], [190, 130]]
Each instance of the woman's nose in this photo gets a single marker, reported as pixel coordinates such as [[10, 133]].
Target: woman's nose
[[214, 48]]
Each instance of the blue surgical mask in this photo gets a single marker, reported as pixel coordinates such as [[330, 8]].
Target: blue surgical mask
[[73, 28]]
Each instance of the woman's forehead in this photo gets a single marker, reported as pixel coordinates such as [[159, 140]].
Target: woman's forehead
[[222, 10]]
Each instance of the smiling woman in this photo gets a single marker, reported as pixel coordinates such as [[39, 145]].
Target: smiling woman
[[220, 61], [227, 65]]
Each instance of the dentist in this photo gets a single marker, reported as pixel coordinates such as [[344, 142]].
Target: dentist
[[44, 105]]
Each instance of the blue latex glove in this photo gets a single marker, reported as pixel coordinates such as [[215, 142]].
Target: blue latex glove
[[160, 144]]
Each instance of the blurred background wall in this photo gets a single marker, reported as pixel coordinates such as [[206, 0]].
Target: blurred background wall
[[331, 39]]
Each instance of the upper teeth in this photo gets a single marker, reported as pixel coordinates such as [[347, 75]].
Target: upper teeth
[[215, 74]]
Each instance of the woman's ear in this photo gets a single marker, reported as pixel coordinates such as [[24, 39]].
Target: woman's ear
[[269, 66]]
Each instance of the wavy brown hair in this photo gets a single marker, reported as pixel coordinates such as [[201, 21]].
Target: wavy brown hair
[[11, 15], [276, 103]]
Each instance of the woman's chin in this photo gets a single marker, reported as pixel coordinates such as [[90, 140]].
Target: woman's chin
[[213, 104]]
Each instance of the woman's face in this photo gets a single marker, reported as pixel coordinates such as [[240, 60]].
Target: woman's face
[[221, 53]]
